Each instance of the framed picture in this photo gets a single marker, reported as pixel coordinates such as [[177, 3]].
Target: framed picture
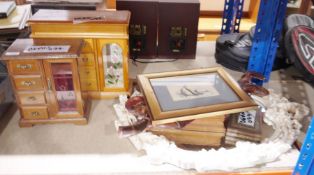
[[192, 94]]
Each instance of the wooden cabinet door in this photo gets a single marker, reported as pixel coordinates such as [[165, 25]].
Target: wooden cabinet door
[[113, 64], [64, 95]]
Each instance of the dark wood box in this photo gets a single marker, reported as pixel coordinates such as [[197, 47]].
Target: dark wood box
[[143, 26], [178, 27]]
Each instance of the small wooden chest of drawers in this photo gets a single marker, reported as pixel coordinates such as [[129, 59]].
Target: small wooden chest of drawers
[[45, 77]]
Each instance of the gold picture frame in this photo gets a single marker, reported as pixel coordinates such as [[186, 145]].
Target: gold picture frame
[[192, 94]]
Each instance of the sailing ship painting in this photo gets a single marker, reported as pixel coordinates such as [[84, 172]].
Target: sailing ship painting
[[188, 92]]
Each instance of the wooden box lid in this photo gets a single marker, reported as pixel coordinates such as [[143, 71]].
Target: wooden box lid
[[163, 1], [51, 49], [69, 16], [142, 1], [180, 1]]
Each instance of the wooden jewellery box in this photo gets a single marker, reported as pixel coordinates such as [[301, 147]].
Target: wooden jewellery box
[[45, 78], [103, 65]]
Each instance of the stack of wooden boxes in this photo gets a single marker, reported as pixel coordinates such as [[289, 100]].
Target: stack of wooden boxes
[[189, 107]]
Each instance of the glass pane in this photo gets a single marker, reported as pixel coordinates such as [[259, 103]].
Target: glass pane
[[63, 80], [113, 65], [190, 91]]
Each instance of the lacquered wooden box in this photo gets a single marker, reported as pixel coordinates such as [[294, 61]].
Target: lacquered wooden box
[[45, 78], [143, 26], [103, 65]]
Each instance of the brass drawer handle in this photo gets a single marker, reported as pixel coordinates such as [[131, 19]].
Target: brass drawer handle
[[28, 83], [49, 84], [35, 114], [85, 59], [32, 98], [24, 66]]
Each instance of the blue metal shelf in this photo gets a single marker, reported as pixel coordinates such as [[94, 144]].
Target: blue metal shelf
[[305, 164], [265, 43], [267, 33], [233, 10]]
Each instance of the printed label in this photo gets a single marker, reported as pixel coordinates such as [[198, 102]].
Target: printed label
[[247, 118], [47, 49], [12, 53]]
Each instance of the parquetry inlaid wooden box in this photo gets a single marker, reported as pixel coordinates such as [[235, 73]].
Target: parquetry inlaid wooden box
[[44, 75], [103, 65]]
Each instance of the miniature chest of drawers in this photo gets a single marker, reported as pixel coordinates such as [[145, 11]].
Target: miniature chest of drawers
[[45, 78], [103, 65]]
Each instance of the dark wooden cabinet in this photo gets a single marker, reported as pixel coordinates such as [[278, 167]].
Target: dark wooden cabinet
[[162, 28], [46, 81], [143, 26], [178, 28]]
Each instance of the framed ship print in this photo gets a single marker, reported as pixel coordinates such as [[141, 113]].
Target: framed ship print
[[192, 94]]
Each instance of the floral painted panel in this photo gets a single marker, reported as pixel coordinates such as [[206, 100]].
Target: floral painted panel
[[113, 65]]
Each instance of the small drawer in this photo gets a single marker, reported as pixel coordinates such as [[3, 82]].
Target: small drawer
[[31, 82], [33, 113], [87, 59], [88, 46], [87, 73], [22, 67], [32, 98], [89, 85]]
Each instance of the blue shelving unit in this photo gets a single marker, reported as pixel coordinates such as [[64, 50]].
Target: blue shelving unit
[[267, 33], [305, 164], [265, 43], [233, 10]]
